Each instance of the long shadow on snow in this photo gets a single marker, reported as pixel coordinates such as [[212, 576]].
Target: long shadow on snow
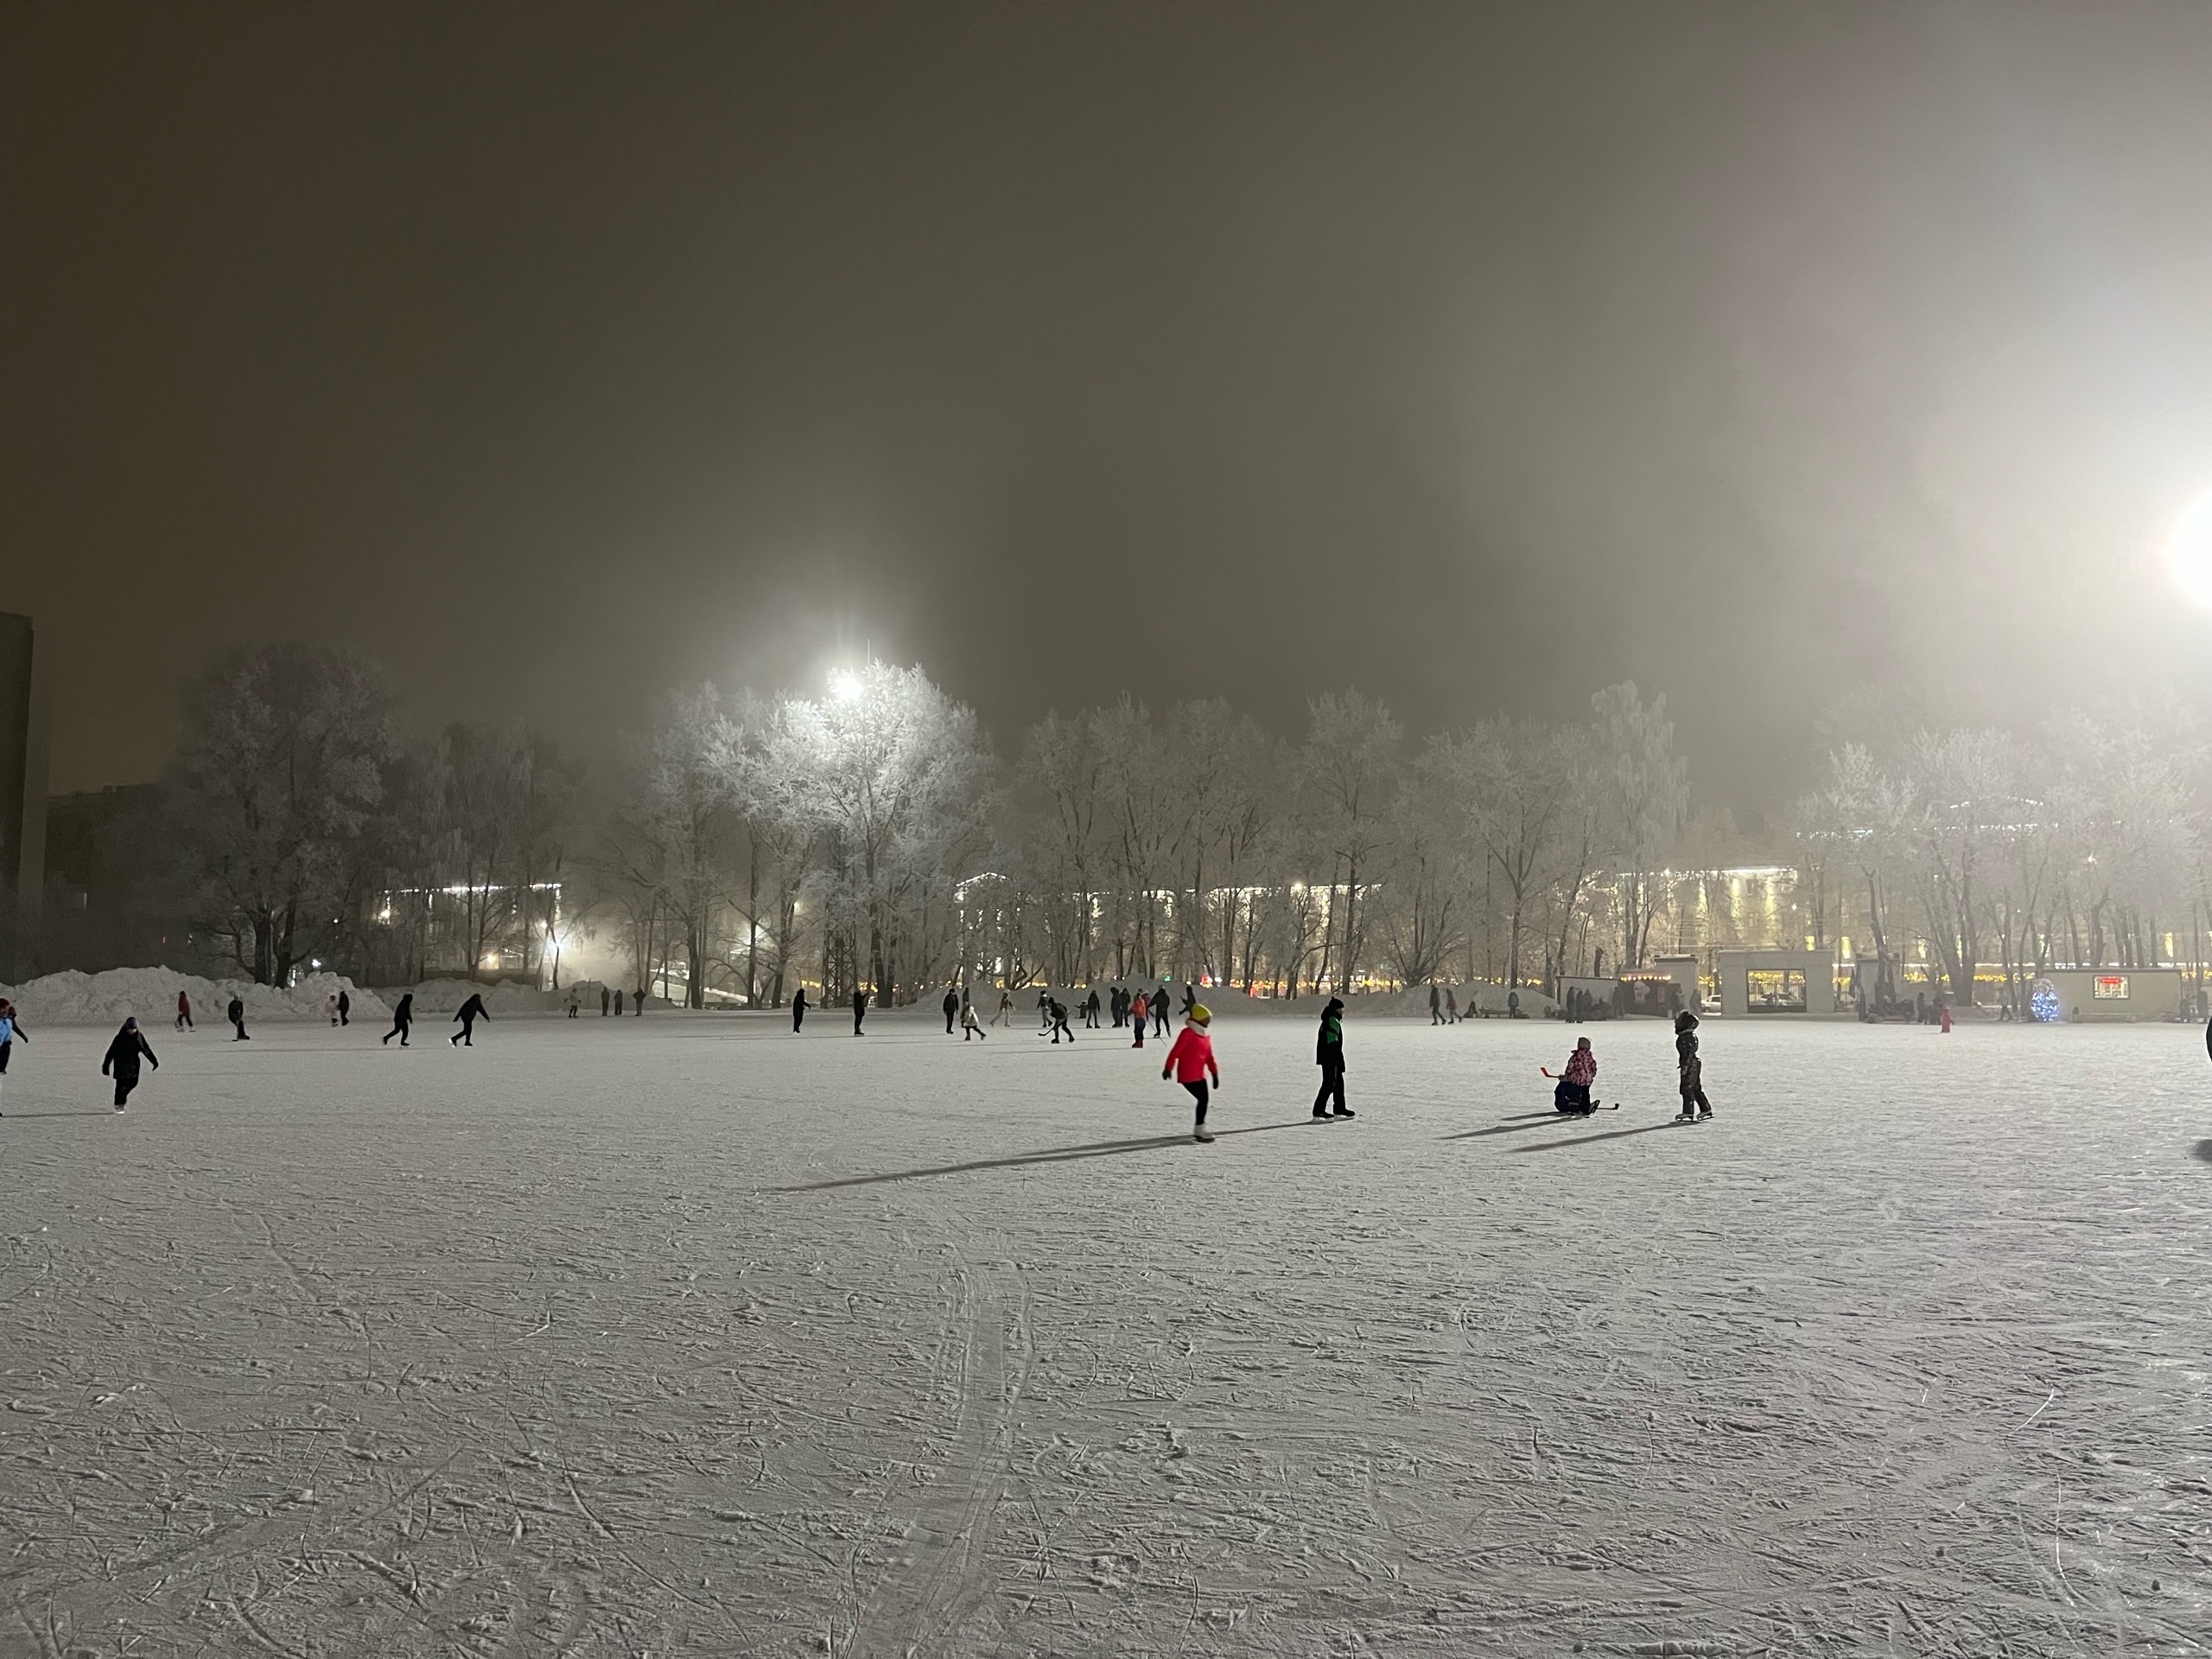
[[1509, 1126], [1057, 1155], [1593, 1139], [19, 1117], [2203, 1151]]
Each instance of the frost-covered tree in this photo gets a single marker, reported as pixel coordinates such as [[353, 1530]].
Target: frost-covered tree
[[1349, 780], [1645, 789]]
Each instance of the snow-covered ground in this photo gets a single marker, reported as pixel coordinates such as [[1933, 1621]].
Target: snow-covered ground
[[682, 1335]]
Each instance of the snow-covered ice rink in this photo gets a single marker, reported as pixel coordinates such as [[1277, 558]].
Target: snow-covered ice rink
[[681, 1335]]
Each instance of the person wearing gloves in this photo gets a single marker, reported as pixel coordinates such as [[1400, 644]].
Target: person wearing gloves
[[1191, 1063], [122, 1059], [1329, 1055]]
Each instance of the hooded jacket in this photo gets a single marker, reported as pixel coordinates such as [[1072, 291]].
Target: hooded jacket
[[1329, 1040]]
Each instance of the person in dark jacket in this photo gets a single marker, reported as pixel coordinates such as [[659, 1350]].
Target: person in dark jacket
[[860, 1008], [470, 1013], [124, 1054], [1329, 1055], [951, 1009], [1435, 1004], [1695, 1107], [11, 1028], [345, 1008], [402, 1019], [637, 1002], [1058, 1010], [1161, 1005], [618, 1005], [603, 995], [237, 1012], [799, 1009], [184, 1012]]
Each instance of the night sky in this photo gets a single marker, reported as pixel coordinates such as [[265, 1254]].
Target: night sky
[[1475, 355]]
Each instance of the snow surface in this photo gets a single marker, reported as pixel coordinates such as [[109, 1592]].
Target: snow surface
[[685, 1335]]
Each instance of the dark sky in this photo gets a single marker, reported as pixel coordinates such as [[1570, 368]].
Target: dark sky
[[1473, 354]]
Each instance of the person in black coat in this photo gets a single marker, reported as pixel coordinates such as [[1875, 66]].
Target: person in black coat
[[1329, 1055], [860, 1008], [345, 1008], [799, 1009], [471, 1012], [403, 1020], [1058, 1010], [951, 1010], [237, 1012], [124, 1054]]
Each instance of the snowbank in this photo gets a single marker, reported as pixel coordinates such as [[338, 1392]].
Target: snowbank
[[107, 999]]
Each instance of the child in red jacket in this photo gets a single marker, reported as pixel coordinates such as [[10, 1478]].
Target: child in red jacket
[[1190, 1062]]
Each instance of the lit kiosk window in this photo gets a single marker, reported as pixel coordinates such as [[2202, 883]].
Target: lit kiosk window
[[2110, 988]]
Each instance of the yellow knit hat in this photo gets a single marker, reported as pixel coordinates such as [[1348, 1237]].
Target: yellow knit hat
[[1201, 1015]]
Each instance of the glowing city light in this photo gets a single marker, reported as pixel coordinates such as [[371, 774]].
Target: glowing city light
[[2189, 552], [845, 685]]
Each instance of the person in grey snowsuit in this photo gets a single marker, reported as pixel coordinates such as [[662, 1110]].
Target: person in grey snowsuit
[[122, 1059], [1695, 1107]]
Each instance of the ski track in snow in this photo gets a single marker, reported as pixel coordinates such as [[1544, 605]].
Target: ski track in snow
[[681, 1334]]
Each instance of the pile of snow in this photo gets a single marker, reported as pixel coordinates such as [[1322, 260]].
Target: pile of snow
[[70, 998], [1226, 1000]]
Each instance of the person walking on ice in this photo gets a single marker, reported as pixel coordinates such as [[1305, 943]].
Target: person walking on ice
[[799, 1009], [11, 1028], [1695, 1107], [1329, 1055], [970, 1024], [237, 1011], [860, 1008], [1138, 1007], [471, 1012], [1191, 1063], [122, 1059], [184, 1012], [403, 1020], [1005, 1015], [345, 1007], [951, 1009]]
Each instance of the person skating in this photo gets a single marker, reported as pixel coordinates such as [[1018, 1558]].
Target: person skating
[[11, 1028], [603, 995], [122, 1059], [1191, 1063], [1162, 1001], [1005, 1015], [403, 1020], [237, 1012], [637, 1001], [184, 1012], [345, 1007], [860, 1008], [1329, 1055], [469, 1013], [618, 1005], [1139, 1010], [970, 1024], [1695, 1107], [1090, 1010], [574, 1002], [951, 1009], [1117, 1006], [1059, 1012], [799, 1009], [1044, 1008], [1435, 1004], [1572, 1094], [1451, 1007]]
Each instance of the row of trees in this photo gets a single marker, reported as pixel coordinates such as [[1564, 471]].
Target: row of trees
[[873, 836]]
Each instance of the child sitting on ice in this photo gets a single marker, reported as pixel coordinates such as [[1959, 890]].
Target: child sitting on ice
[[1572, 1095]]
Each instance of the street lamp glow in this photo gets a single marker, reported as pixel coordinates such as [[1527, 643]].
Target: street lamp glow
[[2189, 552], [845, 685]]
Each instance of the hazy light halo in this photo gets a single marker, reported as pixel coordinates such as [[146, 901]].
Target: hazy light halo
[[2189, 552]]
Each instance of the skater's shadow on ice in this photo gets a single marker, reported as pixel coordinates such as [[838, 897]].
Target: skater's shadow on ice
[[1593, 1139], [1056, 1156], [1508, 1126], [25, 1117], [2203, 1151]]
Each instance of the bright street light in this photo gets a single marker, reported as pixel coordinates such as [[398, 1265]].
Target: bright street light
[[2189, 552]]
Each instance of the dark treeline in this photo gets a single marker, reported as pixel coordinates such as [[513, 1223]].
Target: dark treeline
[[874, 837]]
